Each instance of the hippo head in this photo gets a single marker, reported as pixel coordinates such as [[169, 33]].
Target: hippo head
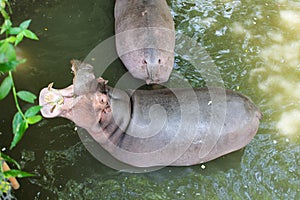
[[88, 111], [145, 38], [148, 54], [85, 102]]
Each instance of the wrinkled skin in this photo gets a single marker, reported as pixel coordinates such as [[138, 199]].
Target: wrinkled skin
[[145, 38], [131, 121]]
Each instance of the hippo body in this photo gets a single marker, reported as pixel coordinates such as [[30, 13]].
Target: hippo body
[[162, 127], [145, 38]]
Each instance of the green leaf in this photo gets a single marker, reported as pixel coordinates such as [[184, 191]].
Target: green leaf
[[2, 4], [29, 34], [16, 122], [11, 39], [8, 50], [6, 25], [34, 119], [9, 159], [21, 61], [16, 173], [2, 57], [5, 87], [19, 128], [19, 38], [32, 111], [14, 30], [26, 96], [3, 11], [3, 29], [25, 24], [9, 7], [9, 66]]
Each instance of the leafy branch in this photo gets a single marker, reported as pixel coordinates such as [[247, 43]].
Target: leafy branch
[[8, 64], [14, 172]]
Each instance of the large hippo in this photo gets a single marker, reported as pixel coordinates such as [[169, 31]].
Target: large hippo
[[145, 38], [145, 128]]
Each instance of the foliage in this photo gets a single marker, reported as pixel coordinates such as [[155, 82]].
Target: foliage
[[8, 64], [13, 173], [5, 187]]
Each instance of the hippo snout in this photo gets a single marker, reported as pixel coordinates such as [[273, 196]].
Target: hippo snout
[[153, 66], [158, 65]]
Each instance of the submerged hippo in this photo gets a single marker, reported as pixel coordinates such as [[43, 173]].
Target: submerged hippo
[[153, 128], [145, 38]]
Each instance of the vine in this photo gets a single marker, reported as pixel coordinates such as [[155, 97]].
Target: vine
[[13, 36]]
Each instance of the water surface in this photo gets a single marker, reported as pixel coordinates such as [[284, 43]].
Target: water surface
[[254, 44]]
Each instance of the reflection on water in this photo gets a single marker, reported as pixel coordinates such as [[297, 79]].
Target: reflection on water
[[255, 45], [278, 75]]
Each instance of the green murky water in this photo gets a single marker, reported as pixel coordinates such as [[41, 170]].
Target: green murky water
[[255, 45]]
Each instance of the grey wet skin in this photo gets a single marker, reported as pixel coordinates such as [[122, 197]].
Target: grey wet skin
[[155, 128], [145, 38]]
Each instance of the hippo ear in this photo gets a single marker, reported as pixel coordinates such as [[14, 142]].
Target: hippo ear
[[102, 84], [84, 79], [74, 64]]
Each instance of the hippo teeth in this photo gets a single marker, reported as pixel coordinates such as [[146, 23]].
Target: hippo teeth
[[52, 109], [53, 98], [49, 98]]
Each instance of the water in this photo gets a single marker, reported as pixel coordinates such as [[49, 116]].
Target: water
[[255, 45]]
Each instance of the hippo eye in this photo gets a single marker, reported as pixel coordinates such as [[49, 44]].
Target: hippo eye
[[144, 62], [103, 100]]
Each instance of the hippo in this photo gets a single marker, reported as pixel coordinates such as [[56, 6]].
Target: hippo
[[145, 38], [162, 127]]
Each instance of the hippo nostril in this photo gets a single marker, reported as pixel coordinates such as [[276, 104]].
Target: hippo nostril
[[159, 61], [144, 62]]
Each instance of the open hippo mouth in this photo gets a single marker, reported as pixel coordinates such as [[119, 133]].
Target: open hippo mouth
[[54, 101]]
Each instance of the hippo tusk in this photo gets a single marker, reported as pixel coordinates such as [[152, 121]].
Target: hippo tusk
[[50, 86]]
